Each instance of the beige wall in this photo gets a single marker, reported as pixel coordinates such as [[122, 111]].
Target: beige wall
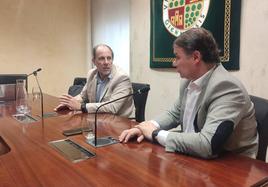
[[254, 47], [51, 34], [165, 83]]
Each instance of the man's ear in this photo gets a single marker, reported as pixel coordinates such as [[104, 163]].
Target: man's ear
[[93, 61], [197, 56]]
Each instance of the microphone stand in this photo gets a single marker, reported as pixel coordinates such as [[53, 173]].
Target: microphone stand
[[110, 140], [41, 94]]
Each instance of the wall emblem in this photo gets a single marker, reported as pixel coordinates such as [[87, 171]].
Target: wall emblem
[[181, 15]]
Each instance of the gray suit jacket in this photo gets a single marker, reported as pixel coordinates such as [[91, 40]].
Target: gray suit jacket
[[119, 85], [225, 119]]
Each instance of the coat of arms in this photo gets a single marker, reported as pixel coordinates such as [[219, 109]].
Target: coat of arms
[[181, 15]]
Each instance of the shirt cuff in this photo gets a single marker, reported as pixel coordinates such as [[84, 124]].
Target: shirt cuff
[[162, 135]]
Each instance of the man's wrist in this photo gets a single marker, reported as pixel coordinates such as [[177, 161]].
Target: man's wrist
[[154, 135], [83, 107]]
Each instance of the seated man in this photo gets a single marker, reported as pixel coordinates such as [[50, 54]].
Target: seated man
[[213, 109], [106, 82]]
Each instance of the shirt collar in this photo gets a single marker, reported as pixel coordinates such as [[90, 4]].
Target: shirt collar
[[102, 81], [198, 83]]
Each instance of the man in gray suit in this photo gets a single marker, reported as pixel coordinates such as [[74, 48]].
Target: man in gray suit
[[213, 112], [105, 82]]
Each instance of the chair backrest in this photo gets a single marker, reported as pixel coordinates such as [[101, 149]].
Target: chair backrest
[[261, 112], [80, 81], [11, 78], [140, 101], [78, 84]]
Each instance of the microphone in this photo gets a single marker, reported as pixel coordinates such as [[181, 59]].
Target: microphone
[[140, 91], [39, 87], [34, 72]]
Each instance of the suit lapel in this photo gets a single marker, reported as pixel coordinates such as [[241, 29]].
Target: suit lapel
[[93, 87], [183, 102], [197, 108], [200, 100]]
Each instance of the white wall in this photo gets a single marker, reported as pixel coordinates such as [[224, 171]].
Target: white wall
[[165, 83], [110, 25]]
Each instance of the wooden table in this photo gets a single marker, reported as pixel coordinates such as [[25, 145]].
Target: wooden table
[[31, 161]]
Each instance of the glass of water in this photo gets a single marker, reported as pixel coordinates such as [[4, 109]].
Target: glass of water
[[22, 105], [36, 93], [88, 128]]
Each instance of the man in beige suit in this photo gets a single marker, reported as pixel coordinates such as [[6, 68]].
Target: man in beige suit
[[105, 82]]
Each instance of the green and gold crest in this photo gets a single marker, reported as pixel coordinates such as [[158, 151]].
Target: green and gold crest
[[181, 15]]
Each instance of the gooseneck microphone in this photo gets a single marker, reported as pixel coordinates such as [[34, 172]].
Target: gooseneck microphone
[[39, 87], [34, 72], [140, 91]]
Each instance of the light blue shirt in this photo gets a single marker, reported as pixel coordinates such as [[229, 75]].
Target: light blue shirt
[[101, 84]]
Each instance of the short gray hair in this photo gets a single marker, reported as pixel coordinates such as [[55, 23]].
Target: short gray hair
[[99, 45]]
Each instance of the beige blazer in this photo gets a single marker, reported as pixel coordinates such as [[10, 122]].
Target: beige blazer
[[118, 86]]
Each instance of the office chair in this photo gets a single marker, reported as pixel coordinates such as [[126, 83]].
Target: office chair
[[261, 113], [139, 101], [11, 79], [80, 81], [78, 84]]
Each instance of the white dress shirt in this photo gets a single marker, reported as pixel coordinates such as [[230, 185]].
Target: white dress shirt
[[193, 91]]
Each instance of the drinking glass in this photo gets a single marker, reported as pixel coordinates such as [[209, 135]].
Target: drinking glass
[[88, 128], [36, 93], [22, 106]]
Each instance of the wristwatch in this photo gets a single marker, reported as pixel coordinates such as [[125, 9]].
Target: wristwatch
[[154, 134], [83, 107]]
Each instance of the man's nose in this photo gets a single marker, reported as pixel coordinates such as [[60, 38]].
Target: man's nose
[[174, 64], [106, 61]]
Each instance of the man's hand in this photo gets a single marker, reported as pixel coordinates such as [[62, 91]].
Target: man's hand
[[147, 129], [130, 133], [61, 107], [142, 130], [70, 102]]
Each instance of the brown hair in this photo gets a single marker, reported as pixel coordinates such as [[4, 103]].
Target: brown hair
[[199, 39]]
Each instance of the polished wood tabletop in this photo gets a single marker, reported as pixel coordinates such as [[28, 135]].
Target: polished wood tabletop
[[27, 159]]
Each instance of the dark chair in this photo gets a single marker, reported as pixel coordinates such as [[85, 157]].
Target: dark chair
[[11, 78], [140, 101], [261, 112], [80, 81], [78, 84]]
